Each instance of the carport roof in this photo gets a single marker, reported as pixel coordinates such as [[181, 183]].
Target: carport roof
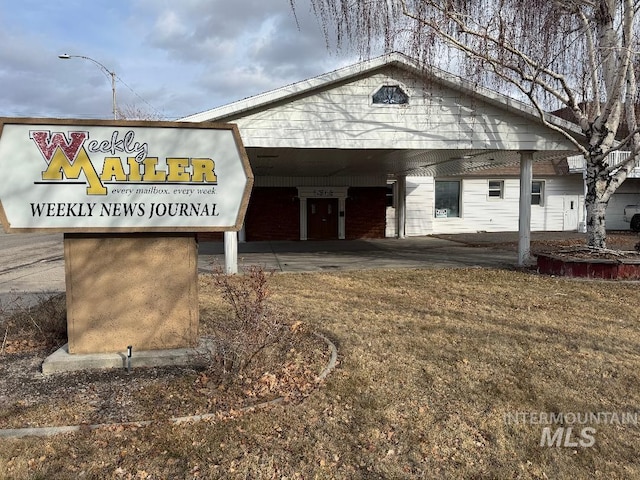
[[328, 162]]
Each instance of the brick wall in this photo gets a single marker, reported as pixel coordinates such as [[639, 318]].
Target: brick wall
[[273, 214], [366, 209], [210, 236]]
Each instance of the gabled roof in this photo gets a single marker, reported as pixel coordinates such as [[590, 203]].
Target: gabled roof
[[263, 100]]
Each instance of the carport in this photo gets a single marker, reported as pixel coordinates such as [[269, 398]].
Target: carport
[[325, 135]]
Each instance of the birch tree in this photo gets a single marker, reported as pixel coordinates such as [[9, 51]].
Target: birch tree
[[576, 55]]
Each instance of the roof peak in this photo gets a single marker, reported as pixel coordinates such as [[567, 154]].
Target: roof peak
[[402, 60]]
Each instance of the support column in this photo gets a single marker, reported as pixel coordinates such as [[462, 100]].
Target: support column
[[303, 217], [231, 253], [342, 226], [524, 218], [401, 206], [582, 225]]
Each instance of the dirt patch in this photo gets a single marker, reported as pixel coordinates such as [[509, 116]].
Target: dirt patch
[[542, 242], [583, 253], [31, 399], [620, 245]]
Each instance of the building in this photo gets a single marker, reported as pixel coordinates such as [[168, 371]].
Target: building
[[627, 194], [387, 148], [488, 199]]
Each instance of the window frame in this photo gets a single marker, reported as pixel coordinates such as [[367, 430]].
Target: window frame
[[435, 199], [396, 85], [539, 195], [390, 195], [500, 190]]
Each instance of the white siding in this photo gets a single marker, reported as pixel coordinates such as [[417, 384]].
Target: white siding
[[481, 213], [420, 198], [550, 216], [437, 117]]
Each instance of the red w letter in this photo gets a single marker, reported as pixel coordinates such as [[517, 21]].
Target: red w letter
[[47, 143]]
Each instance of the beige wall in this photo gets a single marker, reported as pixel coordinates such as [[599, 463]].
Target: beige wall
[[131, 289]]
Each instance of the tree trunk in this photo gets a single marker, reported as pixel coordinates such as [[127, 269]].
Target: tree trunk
[[596, 226], [599, 191]]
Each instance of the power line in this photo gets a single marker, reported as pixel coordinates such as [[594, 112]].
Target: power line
[[118, 78]]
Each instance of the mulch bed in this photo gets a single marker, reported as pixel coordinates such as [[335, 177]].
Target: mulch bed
[[30, 399]]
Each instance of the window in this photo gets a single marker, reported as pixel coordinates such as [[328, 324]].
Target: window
[[447, 199], [390, 195], [537, 192], [496, 189], [390, 95]]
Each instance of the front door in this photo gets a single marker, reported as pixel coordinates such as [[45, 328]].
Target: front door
[[322, 218], [570, 212]]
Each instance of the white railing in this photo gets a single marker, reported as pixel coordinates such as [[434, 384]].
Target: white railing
[[577, 163]]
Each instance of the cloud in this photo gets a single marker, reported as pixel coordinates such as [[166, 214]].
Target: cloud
[[176, 58], [239, 48]]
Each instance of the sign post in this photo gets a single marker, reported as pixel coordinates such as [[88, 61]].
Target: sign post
[[129, 197]]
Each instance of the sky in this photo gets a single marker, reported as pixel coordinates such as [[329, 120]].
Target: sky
[[171, 58]]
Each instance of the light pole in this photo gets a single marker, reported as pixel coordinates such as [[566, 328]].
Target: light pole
[[66, 56]]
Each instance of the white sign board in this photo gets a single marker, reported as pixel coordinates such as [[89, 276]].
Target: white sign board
[[105, 176]]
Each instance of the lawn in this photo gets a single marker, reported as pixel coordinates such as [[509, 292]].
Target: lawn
[[441, 374]]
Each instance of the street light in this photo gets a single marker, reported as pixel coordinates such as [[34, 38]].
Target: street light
[[66, 56]]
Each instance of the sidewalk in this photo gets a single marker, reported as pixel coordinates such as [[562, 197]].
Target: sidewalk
[[31, 265]]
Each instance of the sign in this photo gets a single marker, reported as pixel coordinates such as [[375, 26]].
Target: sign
[[323, 193], [105, 176], [442, 213]]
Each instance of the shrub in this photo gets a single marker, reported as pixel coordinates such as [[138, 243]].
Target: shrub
[[253, 324], [41, 318]]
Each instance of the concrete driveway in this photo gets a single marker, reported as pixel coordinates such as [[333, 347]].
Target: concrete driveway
[[417, 252], [34, 263]]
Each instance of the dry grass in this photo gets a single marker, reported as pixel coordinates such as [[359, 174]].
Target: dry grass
[[40, 322], [431, 361]]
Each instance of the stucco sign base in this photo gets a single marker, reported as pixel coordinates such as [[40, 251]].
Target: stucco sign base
[[138, 290]]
